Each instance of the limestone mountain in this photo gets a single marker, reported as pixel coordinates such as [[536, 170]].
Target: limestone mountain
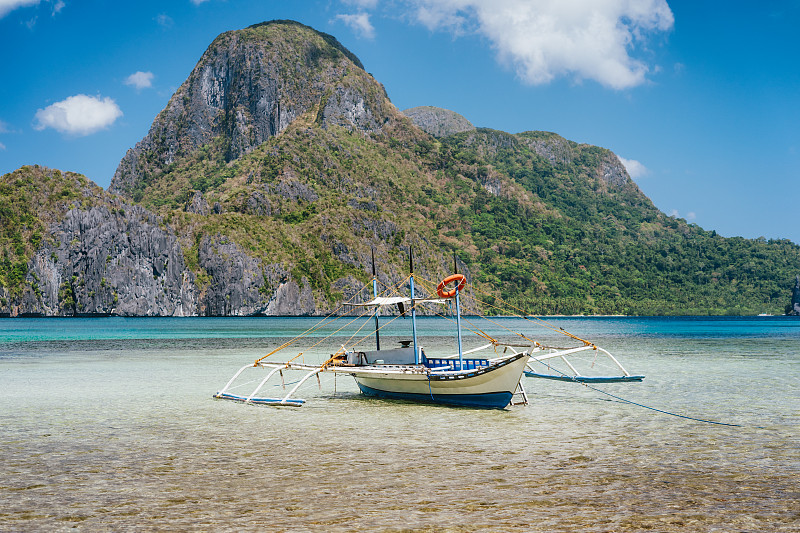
[[437, 121], [70, 248], [280, 163], [248, 87]]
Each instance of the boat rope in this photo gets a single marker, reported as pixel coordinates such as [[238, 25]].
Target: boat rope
[[394, 289], [487, 336], [587, 343], [481, 333], [352, 345], [370, 334], [342, 350], [371, 314], [477, 331], [329, 336], [332, 317], [620, 398], [242, 385], [524, 316], [329, 319]]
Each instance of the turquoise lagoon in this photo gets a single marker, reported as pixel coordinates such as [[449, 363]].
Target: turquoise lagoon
[[109, 424]]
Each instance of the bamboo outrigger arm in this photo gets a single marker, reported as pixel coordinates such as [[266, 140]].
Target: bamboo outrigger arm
[[576, 376], [562, 353], [276, 368]]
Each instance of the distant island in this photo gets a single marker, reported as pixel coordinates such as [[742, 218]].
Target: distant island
[[280, 163]]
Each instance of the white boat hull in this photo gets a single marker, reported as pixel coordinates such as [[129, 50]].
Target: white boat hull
[[491, 387]]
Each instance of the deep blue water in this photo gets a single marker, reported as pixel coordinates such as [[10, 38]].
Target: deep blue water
[[15, 330]]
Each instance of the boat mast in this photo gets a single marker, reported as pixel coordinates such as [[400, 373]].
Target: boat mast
[[377, 308], [413, 306], [458, 317]]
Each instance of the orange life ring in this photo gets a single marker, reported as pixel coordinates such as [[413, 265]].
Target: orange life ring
[[449, 279]]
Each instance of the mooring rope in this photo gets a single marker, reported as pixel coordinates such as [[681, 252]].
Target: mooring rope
[[544, 323], [574, 379], [535, 343]]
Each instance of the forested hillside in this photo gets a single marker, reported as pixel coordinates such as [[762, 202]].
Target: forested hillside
[[281, 163], [601, 246]]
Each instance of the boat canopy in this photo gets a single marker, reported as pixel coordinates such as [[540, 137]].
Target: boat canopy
[[380, 301]]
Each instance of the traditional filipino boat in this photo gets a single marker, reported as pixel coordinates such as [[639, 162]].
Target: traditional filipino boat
[[408, 372]]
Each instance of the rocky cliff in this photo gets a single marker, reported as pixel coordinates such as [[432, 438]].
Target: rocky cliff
[[240, 285], [437, 121], [96, 254], [91, 253], [248, 87]]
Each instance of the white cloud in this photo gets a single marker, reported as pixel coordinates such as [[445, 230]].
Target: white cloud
[[359, 23], [635, 169], [78, 115], [7, 6], [140, 80], [3, 127], [690, 216], [2, 146], [198, 2], [546, 39], [165, 21], [363, 4]]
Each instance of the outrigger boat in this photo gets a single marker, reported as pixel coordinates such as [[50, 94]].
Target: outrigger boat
[[408, 373]]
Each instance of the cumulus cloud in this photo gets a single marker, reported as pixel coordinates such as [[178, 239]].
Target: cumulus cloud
[[78, 115], [7, 6], [140, 80], [546, 39], [359, 23], [635, 169]]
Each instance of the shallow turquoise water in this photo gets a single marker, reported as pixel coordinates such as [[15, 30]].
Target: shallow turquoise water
[[109, 424], [46, 329]]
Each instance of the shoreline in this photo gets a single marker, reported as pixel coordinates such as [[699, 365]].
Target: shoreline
[[8, 316]]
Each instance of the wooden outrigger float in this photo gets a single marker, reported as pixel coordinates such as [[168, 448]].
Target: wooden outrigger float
[[408, 373]]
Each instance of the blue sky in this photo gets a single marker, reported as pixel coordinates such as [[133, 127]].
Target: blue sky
[[701, 99]]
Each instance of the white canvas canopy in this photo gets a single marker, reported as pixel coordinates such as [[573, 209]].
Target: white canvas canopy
[[380, 301]]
